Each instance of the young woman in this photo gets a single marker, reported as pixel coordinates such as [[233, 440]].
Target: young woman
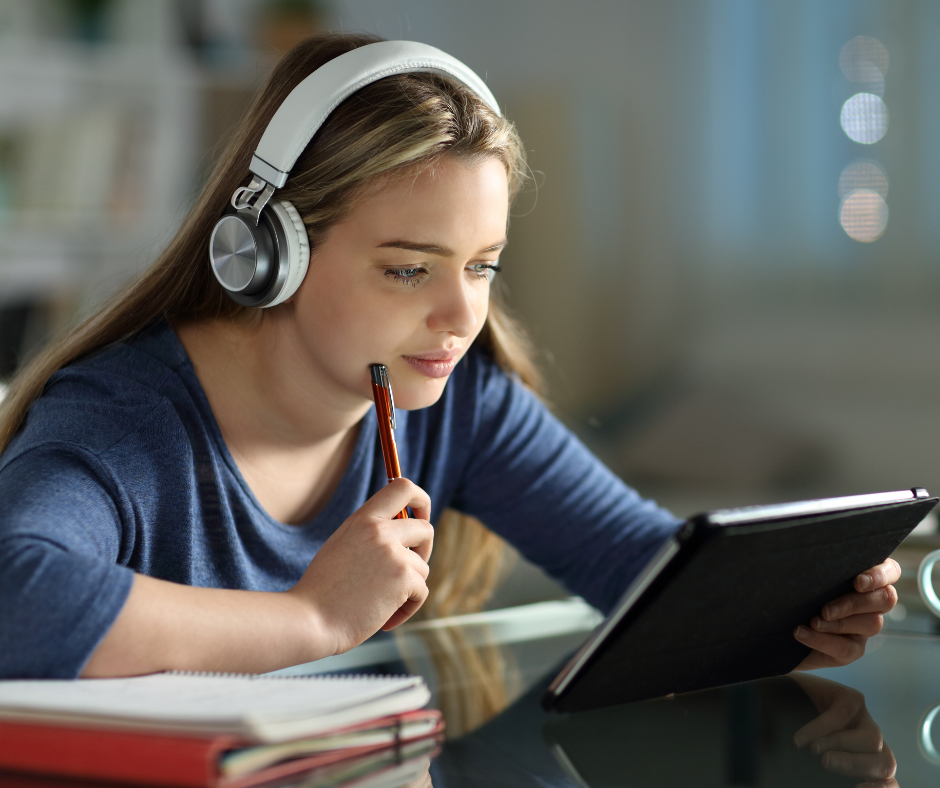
[[192, 484]]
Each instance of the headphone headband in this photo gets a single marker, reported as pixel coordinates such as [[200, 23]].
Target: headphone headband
[[311, 102]]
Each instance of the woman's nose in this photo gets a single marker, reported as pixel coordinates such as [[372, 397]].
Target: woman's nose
[[456, 308]]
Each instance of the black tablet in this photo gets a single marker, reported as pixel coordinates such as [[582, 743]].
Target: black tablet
[[718, 603]]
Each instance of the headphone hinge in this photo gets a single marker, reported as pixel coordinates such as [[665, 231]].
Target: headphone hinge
[[242, 199]]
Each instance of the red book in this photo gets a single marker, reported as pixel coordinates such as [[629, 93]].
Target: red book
[[192, 761], [208, 730]]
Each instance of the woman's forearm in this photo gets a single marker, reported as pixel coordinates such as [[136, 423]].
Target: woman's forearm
[[167, 626], [369, 574]]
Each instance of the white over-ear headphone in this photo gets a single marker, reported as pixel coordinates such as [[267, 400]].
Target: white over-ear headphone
[[259, 250]]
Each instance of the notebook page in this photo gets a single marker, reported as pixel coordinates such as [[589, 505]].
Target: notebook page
[[217, 702]]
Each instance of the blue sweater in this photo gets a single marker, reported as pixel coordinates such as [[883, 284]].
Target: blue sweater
[[121, 468]]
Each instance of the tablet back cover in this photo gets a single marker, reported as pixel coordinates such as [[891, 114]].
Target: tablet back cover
[[729, 612]]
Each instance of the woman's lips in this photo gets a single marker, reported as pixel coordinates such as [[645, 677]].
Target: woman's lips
[[435, 365]]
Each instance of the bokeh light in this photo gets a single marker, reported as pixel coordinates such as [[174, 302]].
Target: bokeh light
[[865, 118], [872, 79], [863, 174], [863, 215], [862, 54]]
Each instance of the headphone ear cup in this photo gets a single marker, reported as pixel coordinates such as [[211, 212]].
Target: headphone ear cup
[[297, 258], [243, 256]]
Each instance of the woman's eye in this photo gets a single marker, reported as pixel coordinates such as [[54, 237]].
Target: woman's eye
[[483, 270], [407, 276]]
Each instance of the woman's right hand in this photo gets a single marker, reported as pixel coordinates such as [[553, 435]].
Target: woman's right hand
[[370, 574]]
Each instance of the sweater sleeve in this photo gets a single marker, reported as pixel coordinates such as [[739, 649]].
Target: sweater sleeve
[[534, 483], [61, 541]]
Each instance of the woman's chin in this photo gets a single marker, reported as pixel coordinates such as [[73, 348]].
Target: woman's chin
[[415, 395]]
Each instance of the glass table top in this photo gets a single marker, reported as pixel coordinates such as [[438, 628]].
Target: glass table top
[[487, 672]]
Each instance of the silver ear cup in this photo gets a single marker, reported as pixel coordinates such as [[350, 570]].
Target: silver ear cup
[[239, 254], [249, 260]]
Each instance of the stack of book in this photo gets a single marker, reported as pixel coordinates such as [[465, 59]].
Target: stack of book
[[220, 730]]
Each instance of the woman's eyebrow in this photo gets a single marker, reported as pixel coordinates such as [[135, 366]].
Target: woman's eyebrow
[[442, 251]]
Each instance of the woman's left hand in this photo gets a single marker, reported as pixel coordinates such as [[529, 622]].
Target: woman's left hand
[[839, 634]]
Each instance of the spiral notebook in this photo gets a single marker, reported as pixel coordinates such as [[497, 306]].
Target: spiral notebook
[[210, 729], [262, 708]]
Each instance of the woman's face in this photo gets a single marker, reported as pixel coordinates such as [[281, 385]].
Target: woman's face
[[404, 280]]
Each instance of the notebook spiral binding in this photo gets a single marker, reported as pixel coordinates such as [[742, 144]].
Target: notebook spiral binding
[[266, 676]]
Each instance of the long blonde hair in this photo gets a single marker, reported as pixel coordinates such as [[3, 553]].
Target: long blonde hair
[[397, 122]]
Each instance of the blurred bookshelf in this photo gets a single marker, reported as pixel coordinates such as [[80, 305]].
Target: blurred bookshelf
[[112, 112], [99, 148]]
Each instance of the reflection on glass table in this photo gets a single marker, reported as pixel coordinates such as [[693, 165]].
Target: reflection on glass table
[[855, 725], [475, 665], [744, 734]]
